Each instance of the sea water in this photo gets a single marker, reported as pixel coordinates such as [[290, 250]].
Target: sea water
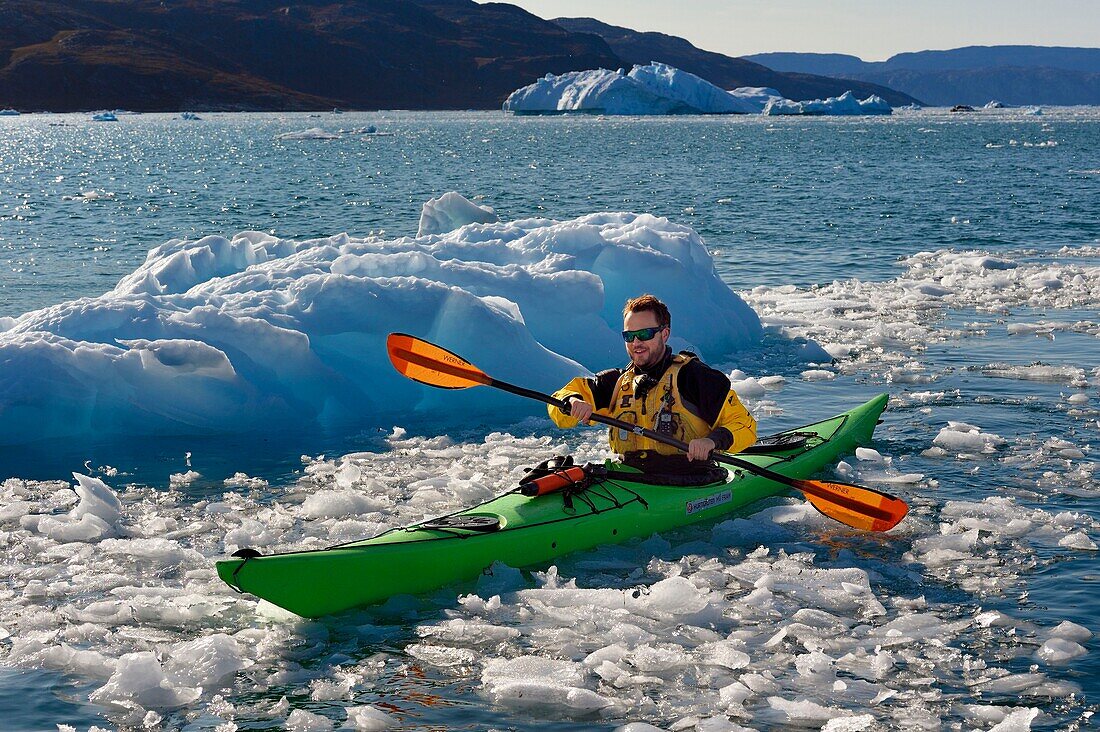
[[950, 260]]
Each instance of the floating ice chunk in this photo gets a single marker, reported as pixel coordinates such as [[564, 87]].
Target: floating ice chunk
[[854, 723], [1019, 720], [726, 654], [1035, 372], [1059, 650], [339, 503], [818, 375], [803, 710], [963, 437], [677, 596], [1070, 631], [528, 694], [251, 533], [302, 721], [869, 455], [139, 678], [62, 657], [95, 516], [1012, 683], [183, 479], [745, 386], [1078, 540], [449, 212], [657, 659], [369, 719], [735, 693], [718, 724], [638, 727], [208, 662], [442, 656], [532, 668], [311, 133], [96, 499]]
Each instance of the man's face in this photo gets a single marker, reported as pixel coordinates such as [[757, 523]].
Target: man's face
[[645, 353]]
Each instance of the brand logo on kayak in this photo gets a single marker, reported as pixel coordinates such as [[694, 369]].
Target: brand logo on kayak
[[702, 504]]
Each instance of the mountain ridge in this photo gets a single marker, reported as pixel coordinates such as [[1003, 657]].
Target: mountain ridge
[[728, 72], [257, 55], [967, 75]]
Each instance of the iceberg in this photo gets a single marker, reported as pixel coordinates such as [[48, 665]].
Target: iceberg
[[845, 104], [756, 96], [662, 89], [256, 335], [9, 112], [646, 90]]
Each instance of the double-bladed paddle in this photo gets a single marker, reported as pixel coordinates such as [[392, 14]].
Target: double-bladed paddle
[[852, 505]]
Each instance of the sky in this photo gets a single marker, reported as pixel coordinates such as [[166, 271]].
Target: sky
[[871, 29]]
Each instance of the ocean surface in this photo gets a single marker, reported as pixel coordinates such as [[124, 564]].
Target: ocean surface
[[952, 260]]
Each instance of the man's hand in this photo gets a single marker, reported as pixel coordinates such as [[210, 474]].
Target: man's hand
[[700, 448], [580, 409]]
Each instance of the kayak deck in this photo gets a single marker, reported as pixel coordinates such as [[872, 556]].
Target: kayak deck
[[531, 530]]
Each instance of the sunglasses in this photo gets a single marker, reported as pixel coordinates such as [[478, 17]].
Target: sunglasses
[[644, 334]]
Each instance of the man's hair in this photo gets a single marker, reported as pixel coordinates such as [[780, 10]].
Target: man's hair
[[648, 303]]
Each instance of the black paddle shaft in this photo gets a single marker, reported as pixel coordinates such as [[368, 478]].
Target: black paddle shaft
[[639, 430]]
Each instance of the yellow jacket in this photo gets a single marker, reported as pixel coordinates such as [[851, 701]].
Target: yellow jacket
[[686, 399]]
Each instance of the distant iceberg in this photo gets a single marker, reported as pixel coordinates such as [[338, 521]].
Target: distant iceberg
[[254, 334], [104, 117], [659, 89], [312, 133], [757, 96], [9, 112], [845, 104], [647, 90]]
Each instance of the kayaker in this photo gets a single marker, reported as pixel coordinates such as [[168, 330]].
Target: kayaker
[[675, 394]]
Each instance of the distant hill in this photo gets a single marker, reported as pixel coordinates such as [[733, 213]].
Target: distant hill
[[144, 55], [972, 75], [636, 47]]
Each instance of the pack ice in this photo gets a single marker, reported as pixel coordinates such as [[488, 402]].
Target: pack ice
[[257, 333]]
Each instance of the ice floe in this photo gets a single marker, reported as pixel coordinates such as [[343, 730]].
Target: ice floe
[[703, 628]]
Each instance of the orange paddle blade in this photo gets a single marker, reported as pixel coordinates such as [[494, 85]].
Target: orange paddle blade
[[429, 364], [860, 508]]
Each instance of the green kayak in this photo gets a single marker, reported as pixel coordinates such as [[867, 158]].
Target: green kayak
[[610, 506]]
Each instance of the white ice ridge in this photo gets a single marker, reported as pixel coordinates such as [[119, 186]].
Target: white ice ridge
[[255, 332], [845, 104], [662, 89]]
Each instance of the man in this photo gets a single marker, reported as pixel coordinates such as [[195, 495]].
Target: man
[[674, 394]]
